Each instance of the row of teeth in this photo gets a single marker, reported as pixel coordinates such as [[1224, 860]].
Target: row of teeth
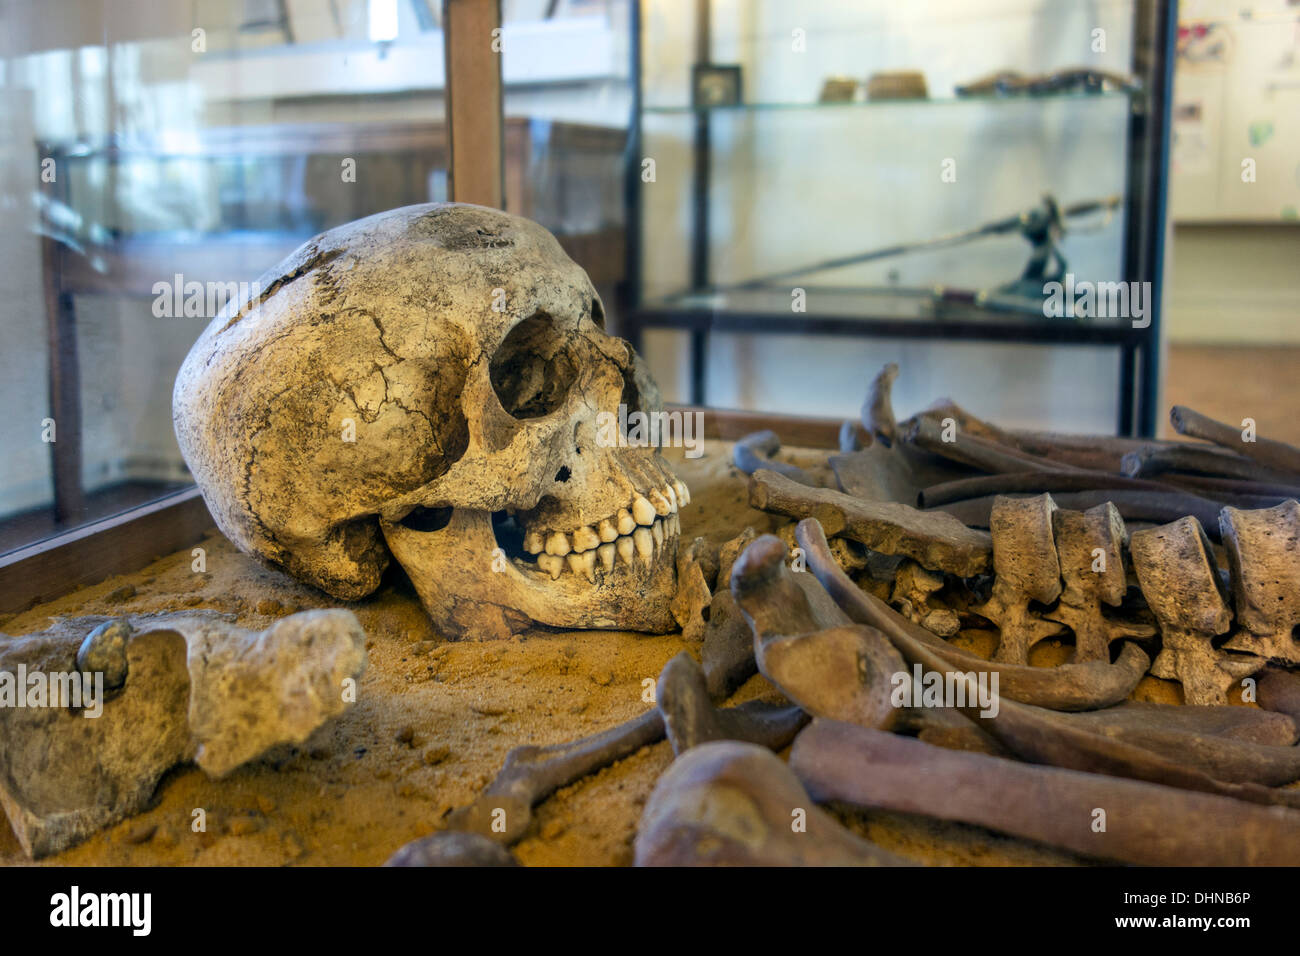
[[636, 531]]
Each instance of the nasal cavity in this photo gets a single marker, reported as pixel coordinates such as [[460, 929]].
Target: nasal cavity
[[563, 474]]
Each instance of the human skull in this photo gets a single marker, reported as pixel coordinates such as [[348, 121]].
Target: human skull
[[428, 381]]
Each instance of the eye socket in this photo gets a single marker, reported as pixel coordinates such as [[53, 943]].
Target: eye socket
[[598, 313], [534, 369]]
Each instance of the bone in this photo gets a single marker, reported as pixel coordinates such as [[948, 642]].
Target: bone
[[878, 410], [852, 436], [690, 719], [692, 597], [195, 688], [1279, 691], [947, 728], [877, 770], [728, 803], [1263, 550], [934, 540], [104, 652], [976, 452], [844, 673], [1180, 581], [964, 489], [1247, 724], [1043, 736], [1274, 455], [914, 587], [452, 848], [504, 810], [728, 650], [1157, 459], [1156, 507], [1090, 545], [1067, 687], [1026, 569], [755, 451]]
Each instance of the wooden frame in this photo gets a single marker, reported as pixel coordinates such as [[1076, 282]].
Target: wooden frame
[[134, 539]]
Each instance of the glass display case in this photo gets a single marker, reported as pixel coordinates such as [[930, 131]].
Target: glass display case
[[1000, 191]]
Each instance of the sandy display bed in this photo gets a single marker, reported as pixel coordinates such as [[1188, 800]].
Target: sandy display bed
[[434, 720]]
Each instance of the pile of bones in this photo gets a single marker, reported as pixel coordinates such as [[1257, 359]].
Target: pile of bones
[[954, 619]]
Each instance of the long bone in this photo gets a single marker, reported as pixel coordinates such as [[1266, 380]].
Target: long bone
[[727, 803], [1157, 459], [691, 719], [1059, 807], [976, 452], [1090, 545], [1263, 548], [1034, 733], [504, 810], [1026, 569], [934, 540], [1275, 455], [1180, 581]]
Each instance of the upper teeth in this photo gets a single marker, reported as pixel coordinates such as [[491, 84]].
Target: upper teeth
[[637, 530]]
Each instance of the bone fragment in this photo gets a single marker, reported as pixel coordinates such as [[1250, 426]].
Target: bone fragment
[[1026, 569], [452, 848], [1180, 580], [932, 539], [690, 718], [1274, 455], [692, 597], [1032, 483], [504, 810], [1279, 691], [974, 451], [1263, 549], [852, 436], [728, 650], [1144, 823], [195, 688], [1090, 545], [1157, 459], [878, 410], [755, 451], [913, 589], [728, 803]]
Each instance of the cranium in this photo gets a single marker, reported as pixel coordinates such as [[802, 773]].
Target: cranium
[[428, 381]]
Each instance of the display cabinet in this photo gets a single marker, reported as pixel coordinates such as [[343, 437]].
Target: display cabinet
[[953, 204]]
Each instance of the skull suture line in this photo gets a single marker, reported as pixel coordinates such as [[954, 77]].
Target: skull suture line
[[427, 381]]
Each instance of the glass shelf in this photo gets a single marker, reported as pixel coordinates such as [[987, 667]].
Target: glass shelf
[[1109, 96]]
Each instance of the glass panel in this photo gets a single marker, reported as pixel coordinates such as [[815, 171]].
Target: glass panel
[[158, 158], [567, 103]]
